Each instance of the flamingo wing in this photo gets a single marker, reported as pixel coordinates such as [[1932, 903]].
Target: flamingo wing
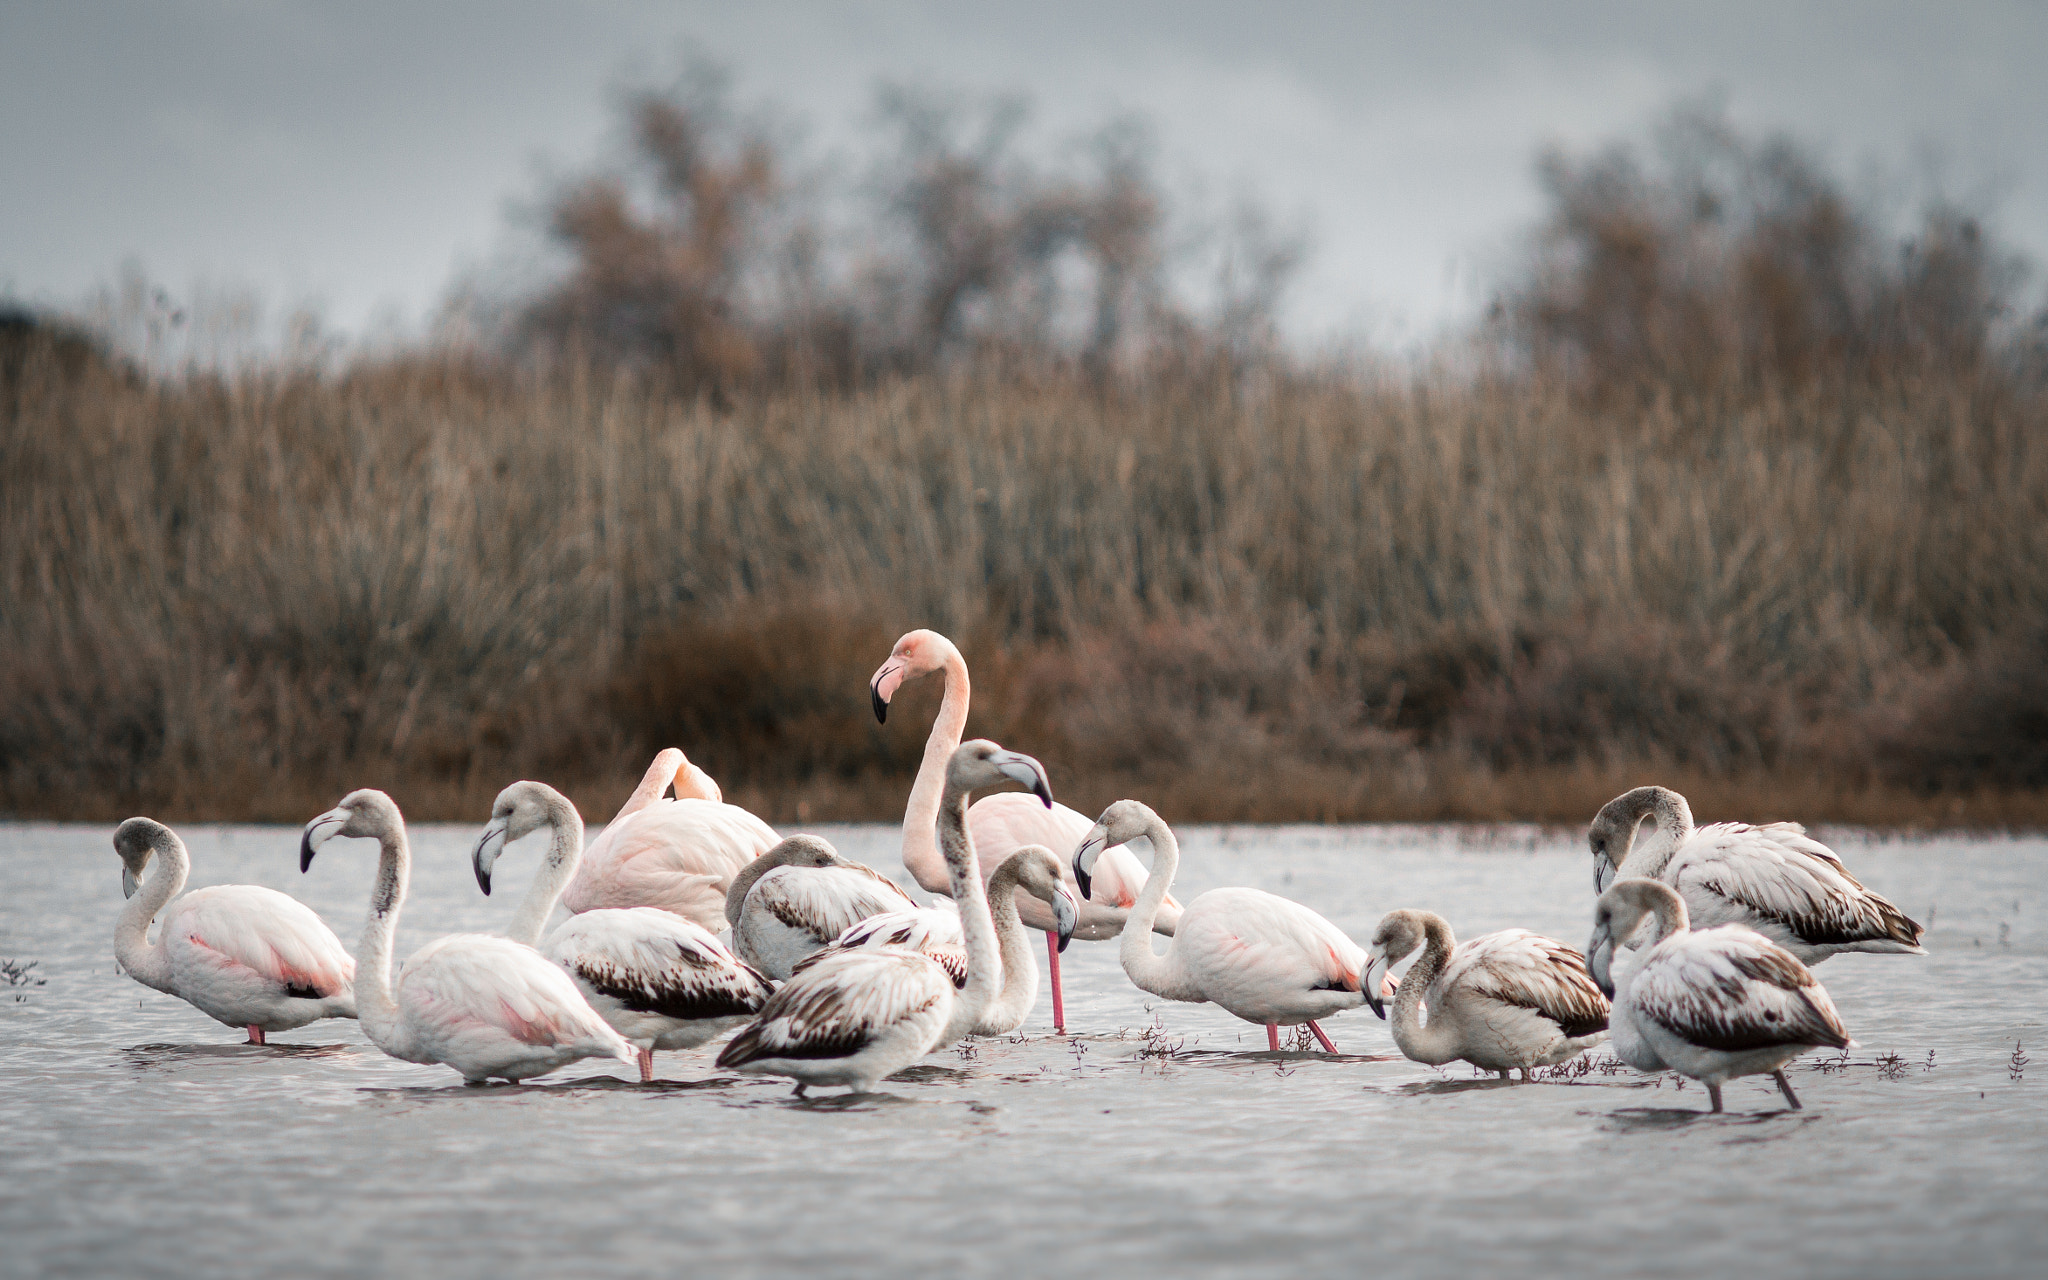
[[652, 961], [1275, 940], [678, 855], [272, 934], [472, 989], [1529, 971], [841, 1004], [824, 902], [1730, 988], [929, 931], [1779, 875]]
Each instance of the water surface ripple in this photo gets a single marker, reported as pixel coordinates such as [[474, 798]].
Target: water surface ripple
[[138, 1138]]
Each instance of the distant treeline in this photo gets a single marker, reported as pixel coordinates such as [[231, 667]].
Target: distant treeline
[[1736, 489]]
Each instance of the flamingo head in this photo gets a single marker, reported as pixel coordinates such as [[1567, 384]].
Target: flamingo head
[[804, 851], [980, 763], [1620, 911], [918, 653], [1038, 874], [366, 813], [1397, 937], [1612, 834], [519, 810], [1121, 823], [137, 841]]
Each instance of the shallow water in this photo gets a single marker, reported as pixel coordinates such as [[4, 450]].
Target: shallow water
[[137, 1137]]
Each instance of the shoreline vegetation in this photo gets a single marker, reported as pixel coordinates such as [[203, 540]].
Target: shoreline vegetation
[[1751, 503]]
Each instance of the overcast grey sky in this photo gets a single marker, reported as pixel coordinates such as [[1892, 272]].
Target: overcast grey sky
[[357, 154]]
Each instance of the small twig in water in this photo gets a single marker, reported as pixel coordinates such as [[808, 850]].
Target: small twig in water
[[1890, 1066], [2016, 1065], [15, 973]]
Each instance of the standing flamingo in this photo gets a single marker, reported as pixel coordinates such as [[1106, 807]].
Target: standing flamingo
[[661, 981], [486, 1006], [239, 953], [1001, 823], [1501, 1001], [1774, 879], [1262, 957], [1713, 1004], [678, 855], [854, 1017], [936, 932], [796, 898]]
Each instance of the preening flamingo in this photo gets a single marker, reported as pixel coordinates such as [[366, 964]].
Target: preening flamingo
[[797, 897], [854, 1017], [935, 932], [1501, 1001], [678, 855], [487, 1006], [1774, 878], [659, 980], [239, 953], [1713, 1004], [1262, 957], [1003, 823]]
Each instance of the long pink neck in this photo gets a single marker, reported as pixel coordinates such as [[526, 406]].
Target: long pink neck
[[921, 816]]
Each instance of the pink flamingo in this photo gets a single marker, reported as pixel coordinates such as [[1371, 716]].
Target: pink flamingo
[[679, 855], [240, 954], [1005, 822]]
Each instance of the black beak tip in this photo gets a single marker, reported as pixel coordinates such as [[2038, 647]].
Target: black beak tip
[[1080, 879], [483, 881], [1065, 938], [305, 853], [1043, 792], [881, 704]]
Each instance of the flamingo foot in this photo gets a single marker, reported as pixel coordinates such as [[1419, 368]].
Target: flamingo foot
[[1272, 1038], [646, 1065], [1315, 1027], [1059, 1003], [256, 1035]]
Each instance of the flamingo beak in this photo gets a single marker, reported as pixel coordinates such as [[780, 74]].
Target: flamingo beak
[[1603, 874], [1023, 769], [1090, 849], [1065, 915], [318, 832], [488, 846], [882, 686], [1369, 988], [1600, 959], [129, 884]]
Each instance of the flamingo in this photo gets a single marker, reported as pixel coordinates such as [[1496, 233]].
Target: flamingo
[[1713, 1004], [678, 855], [1001, 823], [659, 980], [1774, 878], [1262, 957], [854, 1017], [241, 954], [489, 1007], [1500, 1001], [796, 898], [935, 932]]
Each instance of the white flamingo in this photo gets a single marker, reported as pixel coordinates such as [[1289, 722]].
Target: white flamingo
[[935, 932], [797, 898], [1501, 1001], [487, 1006], [1001, 823], [1712, 1004], [1262, 957], [678, 855], [661, 981], [854, 1017], [1774, 878], [241, 954]]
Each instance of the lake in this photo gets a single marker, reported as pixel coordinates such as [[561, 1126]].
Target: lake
[[140, 1138]]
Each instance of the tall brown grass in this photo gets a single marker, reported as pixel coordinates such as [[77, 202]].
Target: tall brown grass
[[1342, 593]]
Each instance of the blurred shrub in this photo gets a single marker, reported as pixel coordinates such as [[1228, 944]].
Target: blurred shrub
[[1981, 722]]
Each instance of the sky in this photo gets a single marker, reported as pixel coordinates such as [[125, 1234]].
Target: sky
[[355, 157]]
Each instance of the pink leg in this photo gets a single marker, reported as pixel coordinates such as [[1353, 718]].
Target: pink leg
[[1327, 1046], [1272, 1038], [1059, 1002], [256, 1034], [646, 1065]]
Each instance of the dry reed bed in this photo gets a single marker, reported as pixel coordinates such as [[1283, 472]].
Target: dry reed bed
[[1336, 595]]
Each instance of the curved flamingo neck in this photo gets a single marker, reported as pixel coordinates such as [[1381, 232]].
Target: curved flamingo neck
[[1020, 970], [1161, 975], [565, 854], [376, 1003], [146, 963], [667, 763], [1671, 825], [921, 856], [977, 927], [743, 880], [1435, 1042]]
